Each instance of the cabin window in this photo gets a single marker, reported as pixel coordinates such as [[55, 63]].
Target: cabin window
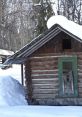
[[68, 76], [66, 44]]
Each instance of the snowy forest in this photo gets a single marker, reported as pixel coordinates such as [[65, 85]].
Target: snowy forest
[[23, 20]]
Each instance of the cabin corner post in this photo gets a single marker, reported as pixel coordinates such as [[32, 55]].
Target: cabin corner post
[[28, 82], [22, 76]]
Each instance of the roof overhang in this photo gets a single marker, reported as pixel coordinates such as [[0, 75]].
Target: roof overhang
[[22, 55]]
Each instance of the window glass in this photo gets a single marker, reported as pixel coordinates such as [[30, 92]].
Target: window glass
[[67, 76]]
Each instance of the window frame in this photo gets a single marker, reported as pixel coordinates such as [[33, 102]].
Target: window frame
[[72, 59]]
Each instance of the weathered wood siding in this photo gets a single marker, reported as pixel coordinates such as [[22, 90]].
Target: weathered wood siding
[[79, 66], [43, 82], [55, 45], [42, 73]]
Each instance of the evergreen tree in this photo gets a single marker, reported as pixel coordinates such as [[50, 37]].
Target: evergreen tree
[[43, 11]]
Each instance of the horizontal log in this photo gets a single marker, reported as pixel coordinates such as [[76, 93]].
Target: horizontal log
[[79, 74], [79, 70], [80, 84], [79, 62], [79, 77], [62, 54], [44, 67], [45, 91], [44, 62], [44, 96], [48, 57], [45, 76], [43, 59], [54, 81], [45, 86], [79, 57], [44, 71], [51, 65], [80, 88], [79, 66]]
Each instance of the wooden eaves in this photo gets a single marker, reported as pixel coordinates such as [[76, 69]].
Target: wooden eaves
[[21, 56]]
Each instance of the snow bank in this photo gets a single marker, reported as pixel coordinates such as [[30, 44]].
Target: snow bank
[[14, 71], [11, 92], [41, 111], [68, 25]]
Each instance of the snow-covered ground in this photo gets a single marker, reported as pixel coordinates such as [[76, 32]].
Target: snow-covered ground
[[13, 103], [40, 111]]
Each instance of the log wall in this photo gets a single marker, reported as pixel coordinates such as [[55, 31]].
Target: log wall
[[55, 45], [42, 73], [45, 82], [79, 68]]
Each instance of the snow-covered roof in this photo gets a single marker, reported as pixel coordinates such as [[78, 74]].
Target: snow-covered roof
[[56, 25], [6, 52], [68, 25]]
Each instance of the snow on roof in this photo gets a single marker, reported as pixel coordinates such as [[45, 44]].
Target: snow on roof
[[6, 52], [68, 25]]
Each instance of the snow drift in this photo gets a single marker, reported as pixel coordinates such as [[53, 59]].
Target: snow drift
[[11, 92]]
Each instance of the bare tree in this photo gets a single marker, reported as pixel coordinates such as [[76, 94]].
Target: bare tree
[[72, 9], [21, 21]]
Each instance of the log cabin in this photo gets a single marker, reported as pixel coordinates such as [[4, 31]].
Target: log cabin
[[53, 65], [3, 56]]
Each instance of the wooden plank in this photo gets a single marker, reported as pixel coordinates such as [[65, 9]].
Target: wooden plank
[[79, 62], [43, 62], [79, 70], [45, 91], [45, 86], [43, 59], [48, 57], [44, 96], [79, 74], [79, 84], [40, 79], [28, 80], [45, 81], [79, 66], [22, 74], [44, 67], [45, 76], [44, 71], [79, 54]]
